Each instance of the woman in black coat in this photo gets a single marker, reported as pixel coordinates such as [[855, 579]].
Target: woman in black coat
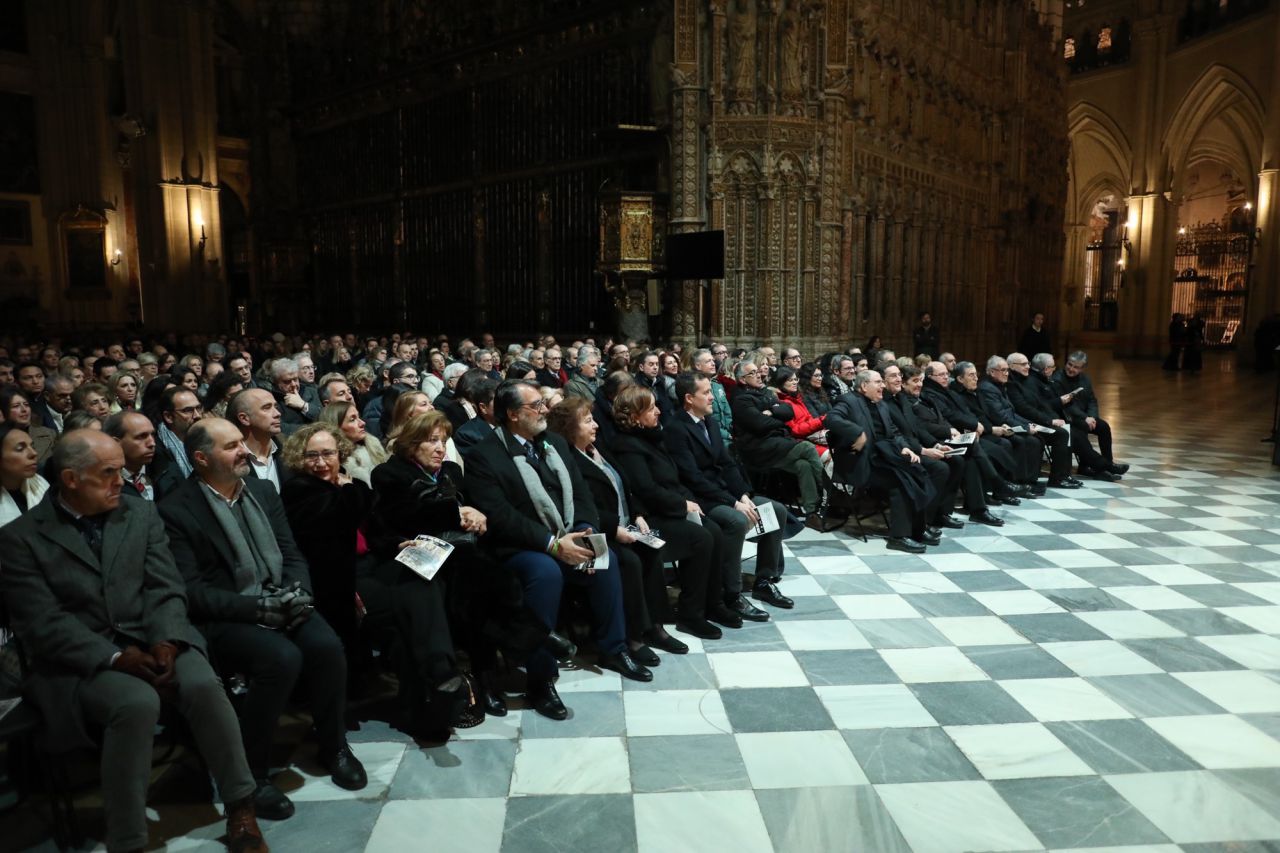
[[816, 399], [644, 588], [419, 492], [660, 497]]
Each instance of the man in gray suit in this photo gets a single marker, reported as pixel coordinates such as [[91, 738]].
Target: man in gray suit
[[101, 610]]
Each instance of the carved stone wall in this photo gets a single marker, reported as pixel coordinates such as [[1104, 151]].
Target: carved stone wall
[[869, 160]]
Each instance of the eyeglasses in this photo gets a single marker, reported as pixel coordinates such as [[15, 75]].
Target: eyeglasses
[[317, 455], [999, 370], [190, 410], [539, 406]]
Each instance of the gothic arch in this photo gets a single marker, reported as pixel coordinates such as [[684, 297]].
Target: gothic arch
[[1099, 186], [1086, 119], [1101, 159], [1221, 118]]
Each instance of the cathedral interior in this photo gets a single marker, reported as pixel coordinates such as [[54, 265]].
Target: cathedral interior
[[1103, 672]]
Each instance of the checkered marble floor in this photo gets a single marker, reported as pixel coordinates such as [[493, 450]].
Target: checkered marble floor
[[1102, 672]]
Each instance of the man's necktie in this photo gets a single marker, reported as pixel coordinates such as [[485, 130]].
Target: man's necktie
[[706, 432], [531, 453], [91, 529]]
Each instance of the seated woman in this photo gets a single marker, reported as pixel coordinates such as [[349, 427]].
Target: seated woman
[[666, 503], [94, 398], [419, 492], [813, 390], [803, 424], [602, 410], [223, 387], [408, 405], [326, 509], [644, 589], [23, 487], [15, 410], [367, 452], [122, 388], [764, 441]]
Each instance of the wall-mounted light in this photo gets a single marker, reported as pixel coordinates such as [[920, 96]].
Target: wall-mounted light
[[1248, 205], [1182, 231], [115, 259], [199, 223]]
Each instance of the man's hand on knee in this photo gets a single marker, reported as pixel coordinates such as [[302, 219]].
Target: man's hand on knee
[[134, 661], [165, 655]]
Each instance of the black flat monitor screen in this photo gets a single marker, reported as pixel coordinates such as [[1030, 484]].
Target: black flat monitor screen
[[695, 256]]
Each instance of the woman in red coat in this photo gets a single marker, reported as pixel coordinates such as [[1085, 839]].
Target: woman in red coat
[[804, 425]]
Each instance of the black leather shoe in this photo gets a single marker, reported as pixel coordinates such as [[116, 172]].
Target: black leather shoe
[[544, 699], [1069, 483], [495, 705], [345, 769], [563, 649], [1035, 490], [986, 517], [1019, 490], [747, 610], [721, 615], [910, 546], [644, 655], [767, 591], [951, 522], [933, 531], [1118, 468], [622, 663], [270, 803], [1105, 475], [1003, 499], [666, 642], [701, 628], [928, 538]]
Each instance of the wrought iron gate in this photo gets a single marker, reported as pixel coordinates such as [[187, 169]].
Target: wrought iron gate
[[1103, 271], [1212, 266]]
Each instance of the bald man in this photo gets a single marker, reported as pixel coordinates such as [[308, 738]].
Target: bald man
[[104, 655]]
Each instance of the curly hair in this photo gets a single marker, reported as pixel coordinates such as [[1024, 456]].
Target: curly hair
[[632, 402], [565, 418], [296, 445]]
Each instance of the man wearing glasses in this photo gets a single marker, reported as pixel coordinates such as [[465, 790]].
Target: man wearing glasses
[[179, 409], [540, 513]]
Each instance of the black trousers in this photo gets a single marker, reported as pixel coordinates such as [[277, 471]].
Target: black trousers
[[955, 477], [1059, 444], [634, 569], [1000, 452], [906, 520], [1102, 430], [1089, 458], [486, 611], [697, 548], [273, 661]]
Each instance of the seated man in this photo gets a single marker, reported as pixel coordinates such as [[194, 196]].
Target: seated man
[[257, 415], [179, 409], [249, 593], [703, 362], [103, 654], [539, 513], [765, 441], [1025, 449], [295, 412], [585, 382], [479, 393], [903, 411], [891, 462], [1082, 411], [1036, 400], [137, 437], [724, 494]]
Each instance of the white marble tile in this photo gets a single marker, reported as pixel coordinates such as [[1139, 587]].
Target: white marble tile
[[1256, 651], [584, 765], [1232, 511], [798, 759], [757, 669], [1128, 624], [1191, 555], [1014, 602], [380, 760], [1173, 574], [1049, 502], [1219, 523], [917, 666], [452, 826], [1100, 657], [840, 565], [575, 680], [1033, 513], [822, 634], [977, 631], [1017, 751], [1014, 526], [1100, 541], [1053, 699], [1219, 741], [875, 607], [986, 545], [495, 728], [874, 706], [1153, 598], [684, 821], [1240, 692], [1048, 578], [959, 562], [1076, 558], [1135, 513], [954, 817], [1207, 538], [1152, 502], [1261, 617], [1194, 806], [919, 582], [675, 712], [1118, 525], [800, 586], [1269, 591]]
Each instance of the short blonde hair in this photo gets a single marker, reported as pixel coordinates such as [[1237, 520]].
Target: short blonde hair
[[296, 444]]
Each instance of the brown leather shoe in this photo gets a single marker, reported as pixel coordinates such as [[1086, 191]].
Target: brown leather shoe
[[243, 835]]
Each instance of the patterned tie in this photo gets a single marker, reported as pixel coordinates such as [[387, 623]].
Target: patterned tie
[[531, 453], [91, 530]]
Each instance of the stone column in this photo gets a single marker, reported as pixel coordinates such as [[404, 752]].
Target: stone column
[[1146, 293]]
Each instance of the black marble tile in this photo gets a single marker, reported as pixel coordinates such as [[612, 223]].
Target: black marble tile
[[970, 703]]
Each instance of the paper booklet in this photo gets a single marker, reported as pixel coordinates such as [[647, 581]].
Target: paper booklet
[[7, 705], [1043, 429], [696, 518], [425, 556], [963, 440], [1018, 429], [768, 521], [956, 451], [651, 538], [600, 561]]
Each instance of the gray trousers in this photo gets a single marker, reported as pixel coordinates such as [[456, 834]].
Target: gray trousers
[[127, 708]]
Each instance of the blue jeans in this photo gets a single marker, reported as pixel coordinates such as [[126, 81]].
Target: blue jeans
[[543, 578]]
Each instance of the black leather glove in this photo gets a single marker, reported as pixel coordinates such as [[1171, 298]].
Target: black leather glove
[[300, 605], [272, 610]]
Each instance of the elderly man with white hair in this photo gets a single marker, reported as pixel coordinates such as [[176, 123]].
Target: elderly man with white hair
[[286, 387]]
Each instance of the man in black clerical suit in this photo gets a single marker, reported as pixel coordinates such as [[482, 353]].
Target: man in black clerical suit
[[1082, 411], [995, 392]]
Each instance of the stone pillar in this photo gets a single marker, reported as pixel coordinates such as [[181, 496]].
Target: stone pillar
[[687, 154], [1264, 289], [1146, 294]]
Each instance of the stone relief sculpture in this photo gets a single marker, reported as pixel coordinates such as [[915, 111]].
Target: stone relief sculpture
[[793, 64], [742, 57]]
